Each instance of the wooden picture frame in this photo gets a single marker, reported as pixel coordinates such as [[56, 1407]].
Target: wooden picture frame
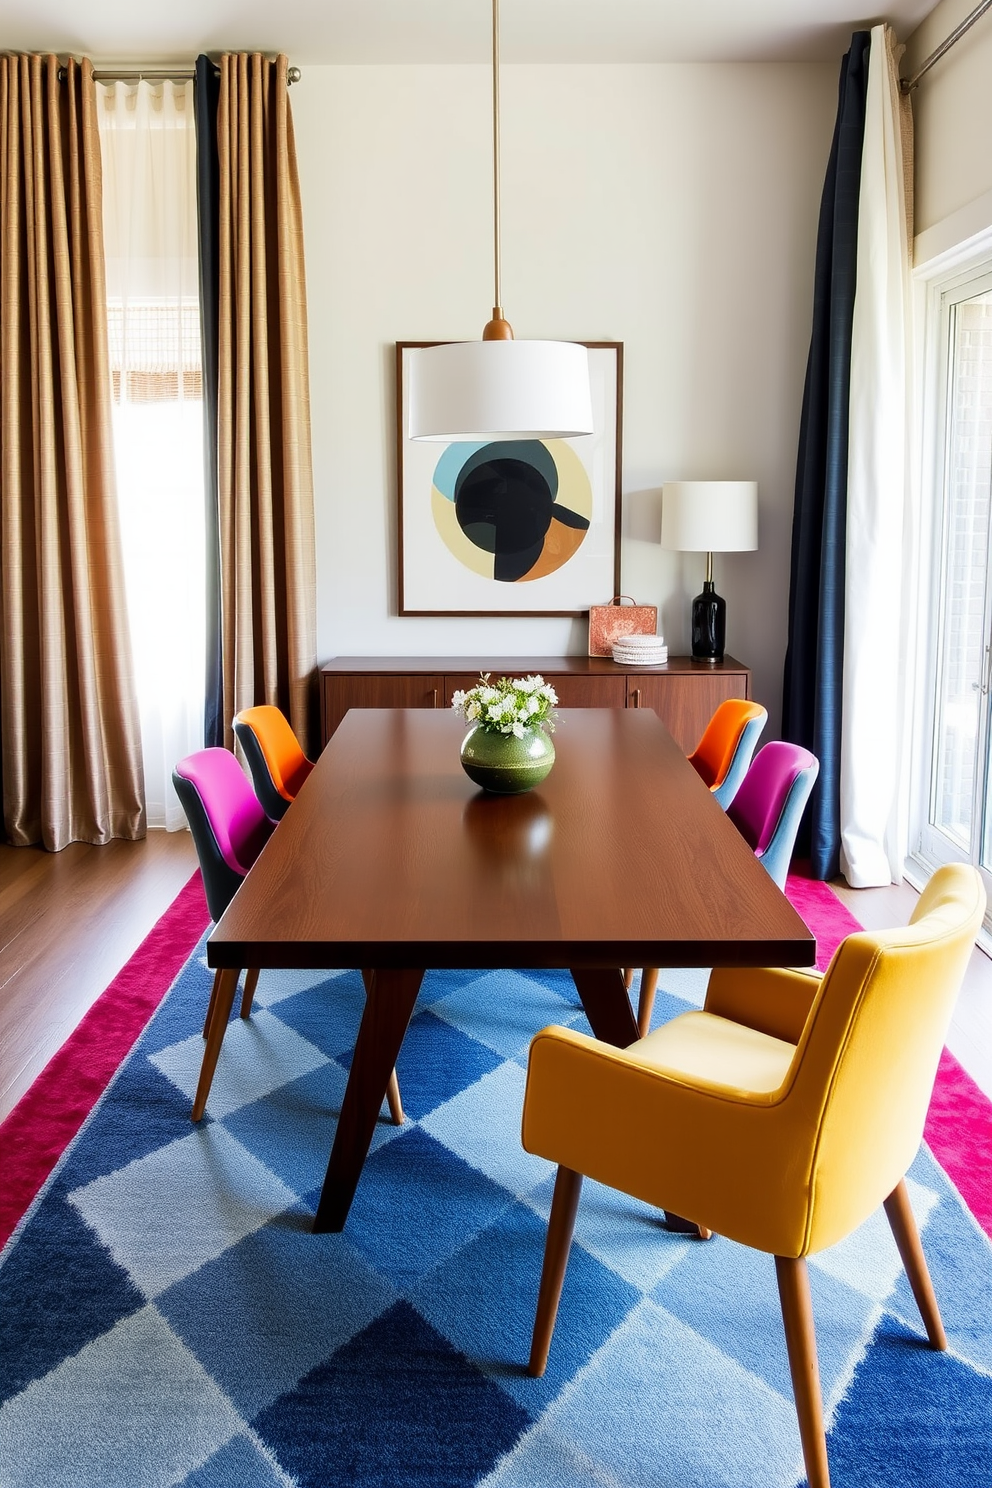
[[443, 571]]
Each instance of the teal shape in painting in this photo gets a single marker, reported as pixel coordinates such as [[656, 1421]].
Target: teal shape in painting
[[448, 468]]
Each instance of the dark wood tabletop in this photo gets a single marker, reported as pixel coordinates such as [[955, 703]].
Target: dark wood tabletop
[[619, 857], [392, 861]]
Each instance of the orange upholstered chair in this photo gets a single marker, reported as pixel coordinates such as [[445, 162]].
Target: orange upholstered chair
[[724, 752], [277, 763], [781, 1116]]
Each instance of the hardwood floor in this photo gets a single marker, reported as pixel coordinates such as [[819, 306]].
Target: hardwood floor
[[70, 920], [68, 923]]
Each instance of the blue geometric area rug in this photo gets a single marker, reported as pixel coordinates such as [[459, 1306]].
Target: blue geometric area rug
[[168, 1318]]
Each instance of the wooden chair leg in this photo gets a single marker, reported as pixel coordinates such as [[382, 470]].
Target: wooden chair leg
[[211, 1004], [645, 1006], [628, 977], [797, 1315], [226, 984], [393, 1100], [251, 982], [907, 1238], [564, 1204]]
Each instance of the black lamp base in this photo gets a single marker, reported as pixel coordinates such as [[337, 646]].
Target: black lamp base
[[709, 625]]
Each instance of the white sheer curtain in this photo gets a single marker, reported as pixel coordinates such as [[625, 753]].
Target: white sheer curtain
[[881, 527], [149, 195]]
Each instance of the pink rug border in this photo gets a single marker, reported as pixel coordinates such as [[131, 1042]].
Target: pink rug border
[[958, 1128], [50, 1113]]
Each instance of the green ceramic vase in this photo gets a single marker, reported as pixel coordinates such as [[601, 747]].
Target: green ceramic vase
[[505, 764]]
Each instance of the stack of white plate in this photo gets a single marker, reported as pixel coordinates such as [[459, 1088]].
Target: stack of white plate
[[640, 650]]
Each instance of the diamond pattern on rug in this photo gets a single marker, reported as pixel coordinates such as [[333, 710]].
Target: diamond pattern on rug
[[394, 1353], [110, 1416], [271, 1293], [60, 1257], [225, 1194], [260, 1055], [408, 1409]]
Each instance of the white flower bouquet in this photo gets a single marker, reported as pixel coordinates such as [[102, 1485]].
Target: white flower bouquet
[[509, 706]]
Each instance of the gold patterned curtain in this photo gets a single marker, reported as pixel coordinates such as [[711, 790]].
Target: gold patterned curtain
[[71, 753], [265, 479]]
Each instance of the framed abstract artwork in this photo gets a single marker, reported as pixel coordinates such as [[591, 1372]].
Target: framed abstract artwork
[[512, 527]]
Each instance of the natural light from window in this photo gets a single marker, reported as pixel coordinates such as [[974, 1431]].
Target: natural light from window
[[149, 152]]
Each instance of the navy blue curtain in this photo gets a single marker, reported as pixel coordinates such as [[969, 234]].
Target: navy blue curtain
[[811, 708], [206, 93]]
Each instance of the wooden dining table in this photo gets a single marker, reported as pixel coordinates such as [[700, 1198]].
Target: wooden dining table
[[390, 860]]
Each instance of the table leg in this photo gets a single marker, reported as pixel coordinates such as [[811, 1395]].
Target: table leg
[[389, 1004], [606, 1003]]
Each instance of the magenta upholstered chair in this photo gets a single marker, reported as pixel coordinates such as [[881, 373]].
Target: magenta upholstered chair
[[229, 831], [230, 828], [770, 802], [766, 810]]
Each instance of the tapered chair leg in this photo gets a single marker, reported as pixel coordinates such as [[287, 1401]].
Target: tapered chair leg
[[225, 986], [645, 1005], [797, 1315], [211, 1004], [628, 977], [907, 1238], [564, 1204], [251, 982], [393, 1100]]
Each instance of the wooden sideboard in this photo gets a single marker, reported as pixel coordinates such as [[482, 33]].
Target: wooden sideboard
[[684, 693]]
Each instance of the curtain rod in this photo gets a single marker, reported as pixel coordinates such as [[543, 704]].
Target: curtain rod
[[906, 85], [172, 74]]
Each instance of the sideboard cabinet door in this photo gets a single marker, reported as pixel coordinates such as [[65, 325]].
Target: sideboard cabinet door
[[683, 694], [685, 702], [368, 690]]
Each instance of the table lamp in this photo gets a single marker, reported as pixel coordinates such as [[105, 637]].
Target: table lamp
[[709, 517]]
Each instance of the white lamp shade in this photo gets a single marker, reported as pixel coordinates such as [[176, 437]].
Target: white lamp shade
[[709, 516], [499, 390]]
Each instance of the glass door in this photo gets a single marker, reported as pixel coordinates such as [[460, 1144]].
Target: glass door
[[958, 823]]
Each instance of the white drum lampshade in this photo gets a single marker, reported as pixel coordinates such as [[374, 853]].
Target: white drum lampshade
[[500, 389], [709, 517]]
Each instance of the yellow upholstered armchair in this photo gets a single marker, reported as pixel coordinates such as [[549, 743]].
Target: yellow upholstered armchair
[[780, 1116]]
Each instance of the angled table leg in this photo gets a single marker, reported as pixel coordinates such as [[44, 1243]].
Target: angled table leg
[[606, 1003], [389, 1003]]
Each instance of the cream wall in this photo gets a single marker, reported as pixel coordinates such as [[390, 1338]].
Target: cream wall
[[952, 112], [672, 208]]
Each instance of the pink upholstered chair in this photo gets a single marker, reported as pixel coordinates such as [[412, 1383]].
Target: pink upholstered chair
[[770, 802], [229, 829], [766, 810]]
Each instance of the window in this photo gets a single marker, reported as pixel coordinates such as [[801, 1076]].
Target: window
[[149, 158], [954, 806]]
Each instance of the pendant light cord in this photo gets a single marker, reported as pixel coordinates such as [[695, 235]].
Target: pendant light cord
[[497, 302], [498, 329]]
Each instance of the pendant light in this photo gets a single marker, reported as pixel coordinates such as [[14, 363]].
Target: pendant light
[[499, 388]]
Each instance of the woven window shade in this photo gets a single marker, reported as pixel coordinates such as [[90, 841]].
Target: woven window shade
[[155, 351]]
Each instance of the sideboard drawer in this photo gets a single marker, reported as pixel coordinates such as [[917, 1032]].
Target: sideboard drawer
[[573, 691]]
